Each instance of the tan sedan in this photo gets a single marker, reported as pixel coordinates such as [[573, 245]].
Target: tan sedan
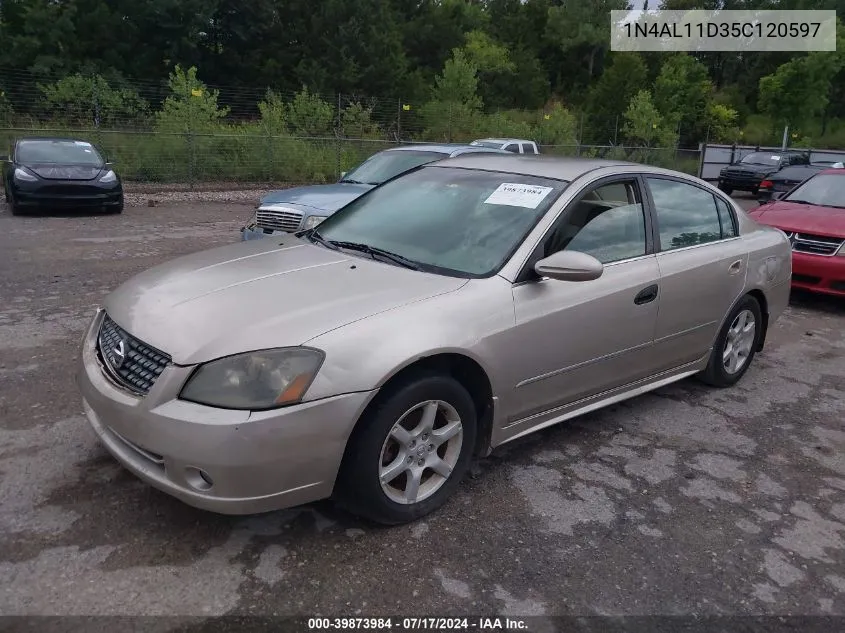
[[440, 315]]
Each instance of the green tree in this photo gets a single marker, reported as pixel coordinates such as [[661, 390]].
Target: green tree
[[309, 115], [611, 94], [91, 101], [682, 94], [273, 111], [191, 106], [453, 112], [644, 125]]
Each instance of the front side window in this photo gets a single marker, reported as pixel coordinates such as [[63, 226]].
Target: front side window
[[57, 152], [824, 190], [513, 147], [607, 222], [462, 222], [386, 165], [527, 148], [686, 214]]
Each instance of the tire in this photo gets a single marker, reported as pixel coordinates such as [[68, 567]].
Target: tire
[[373, 447], [717, 373], [115, 210], [14, 207], [727, 190]]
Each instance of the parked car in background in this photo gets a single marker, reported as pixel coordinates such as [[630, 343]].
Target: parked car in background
[[451, 310], [513, 145], [813, 217], [750, 170], [300, 208], [780, 182], [51, 173]]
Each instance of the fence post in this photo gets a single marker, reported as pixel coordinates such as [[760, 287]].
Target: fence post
[[450, 122], [702, 147], [399, 122], [580, 136], [616, 130], [337, 139]]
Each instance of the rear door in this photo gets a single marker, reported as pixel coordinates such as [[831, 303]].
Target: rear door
[[702, 263]]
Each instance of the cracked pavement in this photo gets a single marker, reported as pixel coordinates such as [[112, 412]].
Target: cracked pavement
[[688, 500]]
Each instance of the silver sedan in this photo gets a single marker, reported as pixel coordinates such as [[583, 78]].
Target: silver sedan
[[465, 304]]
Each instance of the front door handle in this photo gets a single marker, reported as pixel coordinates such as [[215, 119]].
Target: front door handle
[[646, 295], [736, 267]]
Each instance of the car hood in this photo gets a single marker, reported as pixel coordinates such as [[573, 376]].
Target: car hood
[[322, 197], [803, 218], [51, 171], [260, 294]]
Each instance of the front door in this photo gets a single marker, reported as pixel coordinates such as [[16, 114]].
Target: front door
[[582, 338]]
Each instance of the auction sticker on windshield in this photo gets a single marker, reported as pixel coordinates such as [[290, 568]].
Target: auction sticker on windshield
[[517, 195]]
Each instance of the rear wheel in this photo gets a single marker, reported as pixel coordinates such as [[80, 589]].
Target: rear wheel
[[728, 190], [410, 452], [736, 344]]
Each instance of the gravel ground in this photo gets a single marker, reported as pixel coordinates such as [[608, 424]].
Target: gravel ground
[[684, 501]]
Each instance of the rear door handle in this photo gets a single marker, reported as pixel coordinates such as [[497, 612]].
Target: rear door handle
[[646, 295], [736, 267]]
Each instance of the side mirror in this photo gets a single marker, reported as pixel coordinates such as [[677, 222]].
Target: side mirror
[[569, 266]]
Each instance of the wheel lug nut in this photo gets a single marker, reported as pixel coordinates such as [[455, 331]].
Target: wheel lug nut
[[420, 463], [425, 436], [410, 460], [413, 443], [430, 447]]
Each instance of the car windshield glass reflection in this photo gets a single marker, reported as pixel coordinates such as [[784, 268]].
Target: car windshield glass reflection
[[386, 165], [826, 190], [453, 221], [760, 158], [58, 153]]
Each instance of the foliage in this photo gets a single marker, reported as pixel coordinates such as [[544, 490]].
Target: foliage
[[309, 115], [91, 101], [722, 123], [191, 106], [682, 93], [644, 125], [273, 114]]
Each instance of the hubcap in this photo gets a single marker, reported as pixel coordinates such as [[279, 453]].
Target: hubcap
[[739, 342], [420, 452]]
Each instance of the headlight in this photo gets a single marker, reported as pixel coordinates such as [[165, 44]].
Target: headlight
[[313, 220], [841, 251], [22, 174], [256, 380], [109, 176]]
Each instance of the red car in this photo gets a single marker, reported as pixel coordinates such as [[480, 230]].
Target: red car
[[813, 217]]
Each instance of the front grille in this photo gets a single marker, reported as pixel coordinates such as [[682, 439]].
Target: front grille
[[815, 244], [70, 190], [130, 362], [287, 221]]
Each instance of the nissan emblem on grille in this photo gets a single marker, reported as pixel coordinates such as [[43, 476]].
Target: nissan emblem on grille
[[129, 362]]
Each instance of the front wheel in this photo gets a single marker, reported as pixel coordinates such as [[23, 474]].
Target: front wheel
[[410, 452], [726, 190], [736, 344]]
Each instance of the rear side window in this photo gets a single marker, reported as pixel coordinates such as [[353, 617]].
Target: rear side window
[[686, 214], [527, 148], [726, 219]]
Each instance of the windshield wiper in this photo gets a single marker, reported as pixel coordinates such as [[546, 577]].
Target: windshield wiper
[[352, 182], [374, 251], [314, 236]]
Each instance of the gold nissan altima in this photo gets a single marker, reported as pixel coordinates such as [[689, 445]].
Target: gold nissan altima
[[440, 315]]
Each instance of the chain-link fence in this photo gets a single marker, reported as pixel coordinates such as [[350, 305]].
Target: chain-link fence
[[190, 133]]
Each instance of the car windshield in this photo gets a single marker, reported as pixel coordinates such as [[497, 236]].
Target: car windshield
[[825, 190], [58, 152], [761, 158], [385, 165], [453, 221]]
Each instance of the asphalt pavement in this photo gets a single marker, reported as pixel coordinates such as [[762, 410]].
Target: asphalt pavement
[[688, 500]]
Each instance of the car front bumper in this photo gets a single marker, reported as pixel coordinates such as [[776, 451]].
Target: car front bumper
[[67, 195], [817, 273], [225, 461], [742, 183]]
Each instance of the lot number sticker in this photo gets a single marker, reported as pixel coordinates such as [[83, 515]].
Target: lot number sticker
[[517, 195]]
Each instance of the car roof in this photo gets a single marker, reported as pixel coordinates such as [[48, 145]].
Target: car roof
[[555, 167], [839, 171], [449, 149], [503, 140]]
